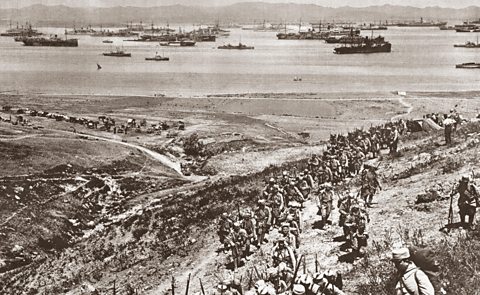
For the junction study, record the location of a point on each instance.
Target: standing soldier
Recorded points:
(369, 184)
(324, 174)
(394, 139)
(324, 202)
(375, 147)
(344, 205)
(249, 224)
(290, 239)
(283, 253)
(224, 227)
(468, 200)
(448, 124)
(263, 217)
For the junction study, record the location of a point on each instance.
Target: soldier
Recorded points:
(356, 229)
(290, 239)
(294, 228)
(263, 216)
(375, 147)
(309, 178)
(344, 163)
(336, 169)
(273, 277)
(369, 184)
(249, 224)
(394, 139)
(344, 205)
(327, 283)
(411, 279)
(468, 200)
(294, 194)
(324, 202)
(324, 173)
(449, 124)
(283, 253)
(270, 187)
(313, 163)
(224, 227)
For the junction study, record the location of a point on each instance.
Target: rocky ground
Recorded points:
(107, 212)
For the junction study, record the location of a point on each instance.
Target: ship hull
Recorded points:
(50, 43)
(387, 47)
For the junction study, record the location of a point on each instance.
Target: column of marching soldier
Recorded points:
(279, 207)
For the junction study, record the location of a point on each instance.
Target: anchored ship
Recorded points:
(370, 45)
(239, 46)
(53, 42)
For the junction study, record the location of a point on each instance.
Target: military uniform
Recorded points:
(325, 203)
(468, 200)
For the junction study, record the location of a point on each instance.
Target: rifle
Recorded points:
(450, 210)
(188, 284)
(316, 262)
(201, 286)
(296, 271)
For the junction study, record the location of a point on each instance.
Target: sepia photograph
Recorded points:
(239, 147)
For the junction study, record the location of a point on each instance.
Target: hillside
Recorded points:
(247, 12)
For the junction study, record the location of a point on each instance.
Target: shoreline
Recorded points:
(355, 95)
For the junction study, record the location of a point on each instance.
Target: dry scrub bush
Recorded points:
(458, 258)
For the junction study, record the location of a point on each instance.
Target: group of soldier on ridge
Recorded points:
(283, 197)
(279, 207)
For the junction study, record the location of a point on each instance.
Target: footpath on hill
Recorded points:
(424, 166)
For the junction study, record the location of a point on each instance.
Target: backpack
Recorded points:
(426, 260)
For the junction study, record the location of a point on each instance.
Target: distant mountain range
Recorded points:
(248, 12)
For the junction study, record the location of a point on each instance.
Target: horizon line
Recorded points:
(244, 2)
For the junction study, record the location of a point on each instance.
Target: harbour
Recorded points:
(421, 59)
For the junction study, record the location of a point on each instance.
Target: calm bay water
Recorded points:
(422, 59)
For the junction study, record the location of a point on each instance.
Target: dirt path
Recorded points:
(154, 155)
(401, 100)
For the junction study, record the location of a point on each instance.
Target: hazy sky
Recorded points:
(330, 3)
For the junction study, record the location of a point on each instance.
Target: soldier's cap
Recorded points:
(317, 277)
(226, 282)
(329, 274)
(305, 279)
(285, 224)
(351, 194)
(294, 204)
(242, 232)
(259, 283)
(400, 254)
(224, 214)
(298, 289)
(262, 202)
(271, 180)
(465, 178)
(237, 224)
(292, 182)
(285, 173)
(222, 287)
(281, 240)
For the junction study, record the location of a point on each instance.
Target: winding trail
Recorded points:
(156, 156)
(405, 104)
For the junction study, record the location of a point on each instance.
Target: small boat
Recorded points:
(239, 46)
(158, 57)
(107, 41)
(468, 65)
(468, 44)
(118, 53)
